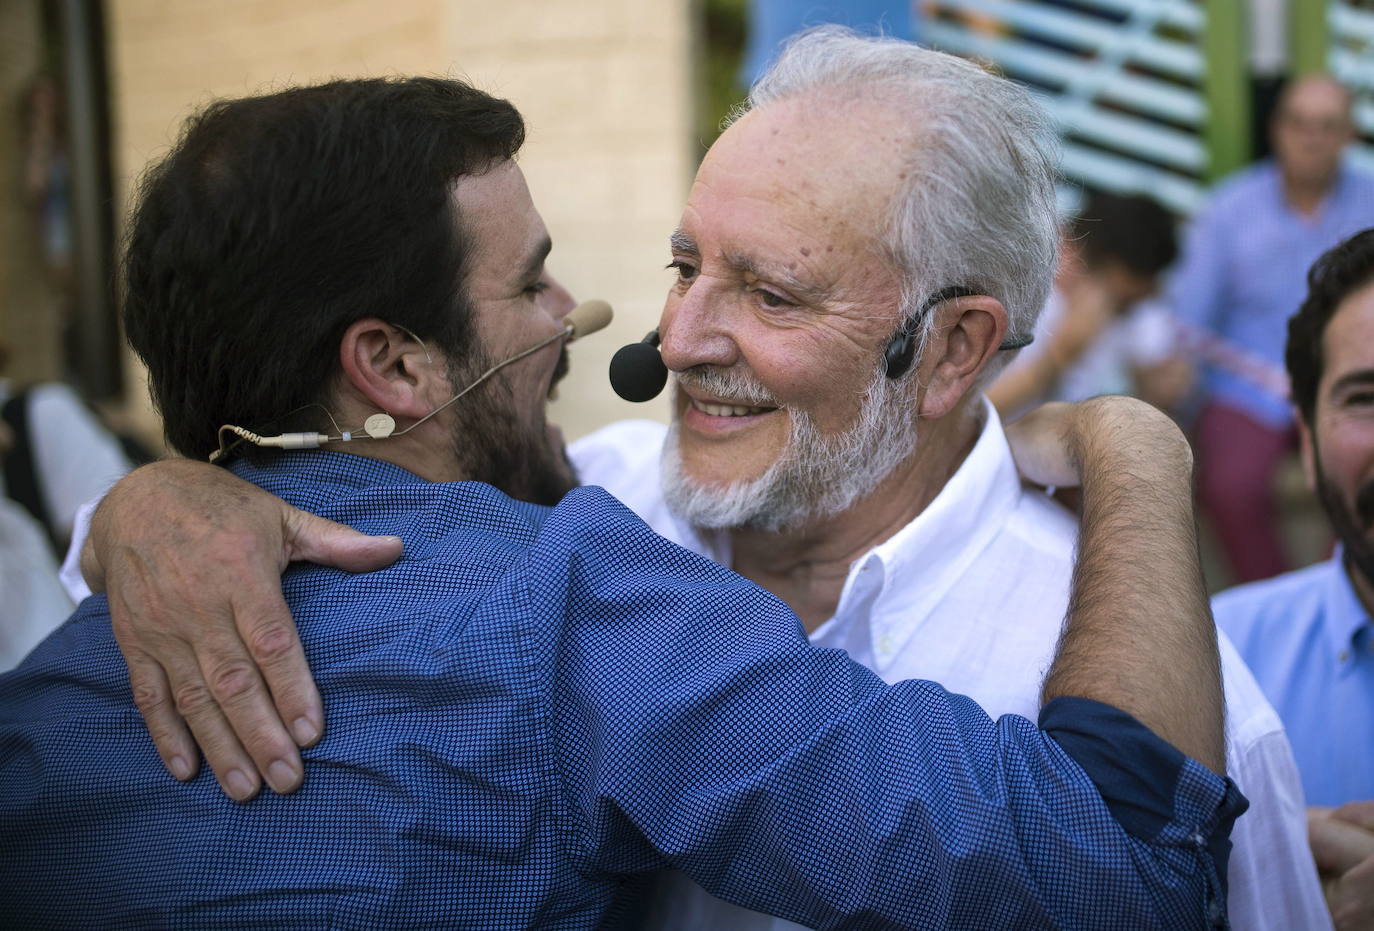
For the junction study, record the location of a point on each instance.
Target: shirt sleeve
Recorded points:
(694, 727)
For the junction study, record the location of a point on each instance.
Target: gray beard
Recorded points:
(815, 476)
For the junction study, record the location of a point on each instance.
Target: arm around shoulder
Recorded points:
(694, 727)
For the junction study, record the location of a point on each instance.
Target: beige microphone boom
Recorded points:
(587, 318)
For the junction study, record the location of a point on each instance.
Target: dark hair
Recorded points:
(1133, 230)
(1335, 276)
(277, 221)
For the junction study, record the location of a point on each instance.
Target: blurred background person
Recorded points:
(55, 455)
(1100, 332)
(1240, 277)
(60, 456)
(34, 600)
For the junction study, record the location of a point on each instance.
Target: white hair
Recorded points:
(978, 209)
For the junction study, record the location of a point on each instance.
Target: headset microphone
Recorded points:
(582, 320)
(637, 370)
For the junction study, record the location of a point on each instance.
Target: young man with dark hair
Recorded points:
(536, 704)
(1307, 635)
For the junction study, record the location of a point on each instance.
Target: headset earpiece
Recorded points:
(901, 349)
(900, 352)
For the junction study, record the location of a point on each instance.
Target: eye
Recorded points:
(686, 271)
(771, 300)
(535, 289)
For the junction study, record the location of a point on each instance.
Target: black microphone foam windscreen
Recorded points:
(638, 372)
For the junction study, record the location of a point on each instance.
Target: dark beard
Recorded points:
(492, 444)
(1351, 527)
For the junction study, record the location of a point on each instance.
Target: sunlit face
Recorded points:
(501, 436)
(1338, 446)
(784, 297)
(1311, 129)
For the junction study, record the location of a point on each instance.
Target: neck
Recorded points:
(807, 566)
(426, 452)
(1305, 195)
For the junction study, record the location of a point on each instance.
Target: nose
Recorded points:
(558, 300)
(692, 330)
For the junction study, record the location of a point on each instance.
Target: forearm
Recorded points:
(1139, 635)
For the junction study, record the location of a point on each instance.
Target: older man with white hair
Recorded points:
(858, 253)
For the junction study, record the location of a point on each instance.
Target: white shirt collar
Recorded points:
(921, 562)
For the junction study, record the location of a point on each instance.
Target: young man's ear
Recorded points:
(392, 370)
(967, 335)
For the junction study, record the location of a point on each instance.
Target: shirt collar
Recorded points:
(1345, 616)
(927, 557)
(312, 478)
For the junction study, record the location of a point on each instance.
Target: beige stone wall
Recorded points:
(604, 84)
(30, 305)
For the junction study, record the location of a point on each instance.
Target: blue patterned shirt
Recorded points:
(534, 706)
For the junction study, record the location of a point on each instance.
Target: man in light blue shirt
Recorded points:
(1242, 273)
(1307, 635)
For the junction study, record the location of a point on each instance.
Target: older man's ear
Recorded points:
(965, 338)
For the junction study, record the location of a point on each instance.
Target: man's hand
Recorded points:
(1040, 445)
(191, 558)
(1046, 443)
(1342, 842)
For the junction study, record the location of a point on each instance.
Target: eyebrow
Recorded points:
(1357, 378)
(534, 265)
(683, 244)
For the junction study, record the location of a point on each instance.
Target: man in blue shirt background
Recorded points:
(1307, 635)
(540, 701)
(1241, 274)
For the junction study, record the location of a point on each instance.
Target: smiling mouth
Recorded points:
(728, 410)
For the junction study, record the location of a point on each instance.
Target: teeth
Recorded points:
(727, 410)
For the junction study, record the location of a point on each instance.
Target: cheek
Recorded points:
(1347, 452)
(819, 373)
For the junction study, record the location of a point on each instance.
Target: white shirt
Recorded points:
(75, 458)
(32, 603)
(972, 594)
